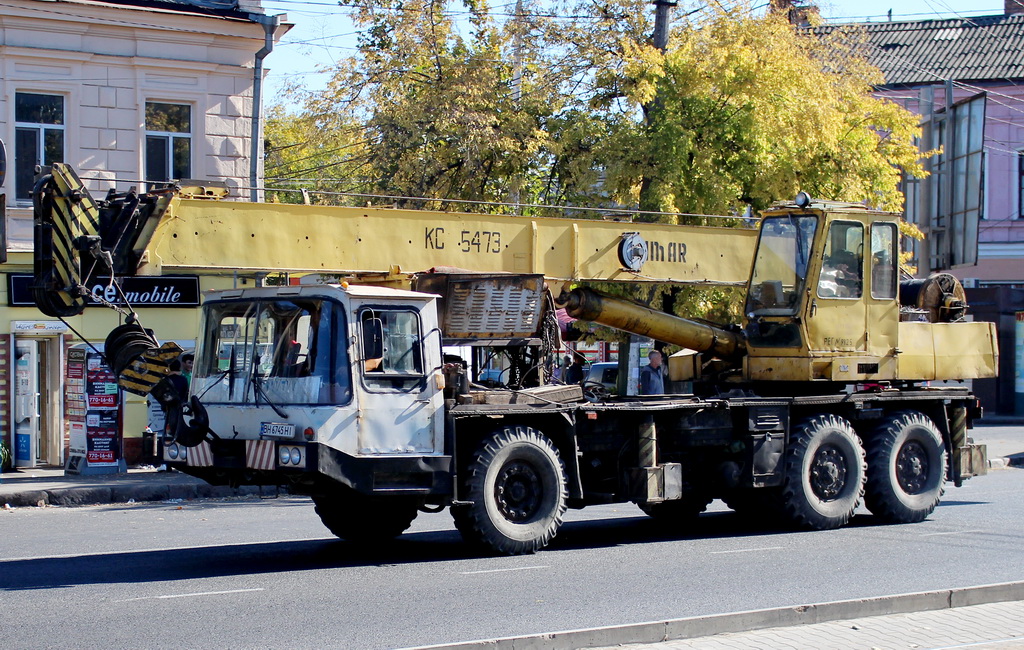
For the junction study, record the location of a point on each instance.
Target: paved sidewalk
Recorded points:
(48, 486)
(994, 625)
(987, 616)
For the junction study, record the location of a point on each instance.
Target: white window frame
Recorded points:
(171, 137)
(40, 128)
(1019, 185)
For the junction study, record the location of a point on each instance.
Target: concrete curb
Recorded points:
(698, 626)
(1009, 461)
(85, 496)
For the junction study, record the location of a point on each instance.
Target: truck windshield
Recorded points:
(780, 266)
(281, 351)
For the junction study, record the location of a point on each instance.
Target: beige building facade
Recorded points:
(129, 94)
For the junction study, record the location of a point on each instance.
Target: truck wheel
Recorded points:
(516, 482)
(677, 511)
(824, 473)
(906, 468)
(364, 519)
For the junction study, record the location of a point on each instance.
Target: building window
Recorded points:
(1020, 184)
(168, 141)
(38, 137)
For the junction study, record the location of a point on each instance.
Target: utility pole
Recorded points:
(660, 40)
(661, 8)
(517, 94)
(629, 351)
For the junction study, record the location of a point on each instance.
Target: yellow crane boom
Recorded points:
(305, 238)
(176, 229)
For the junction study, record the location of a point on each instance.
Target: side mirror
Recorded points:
(373, 338)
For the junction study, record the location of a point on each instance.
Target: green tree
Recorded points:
(570, 104)
(744, 110)
(319, 153)
(445, 110)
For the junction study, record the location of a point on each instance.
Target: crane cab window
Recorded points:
(780, 266)
(397, 360)
(273, 351)
(884, 258)
(842, 266)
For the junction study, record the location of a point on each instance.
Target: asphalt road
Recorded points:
(248, 574)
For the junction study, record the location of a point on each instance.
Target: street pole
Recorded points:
(517, 92)
(660, 40)
(661, 13)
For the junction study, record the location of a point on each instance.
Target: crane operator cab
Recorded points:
(824, 303)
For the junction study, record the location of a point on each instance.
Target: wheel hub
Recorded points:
(828, 473)
(518, 491)
(912, 468)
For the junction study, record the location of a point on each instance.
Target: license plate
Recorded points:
(277, 430)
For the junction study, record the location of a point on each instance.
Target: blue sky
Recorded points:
(322, 34)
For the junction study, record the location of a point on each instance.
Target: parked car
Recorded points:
(605, 373)
(492, 377)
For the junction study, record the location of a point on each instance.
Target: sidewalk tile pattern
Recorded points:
(994, 626)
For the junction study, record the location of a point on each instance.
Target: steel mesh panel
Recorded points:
(496, 307)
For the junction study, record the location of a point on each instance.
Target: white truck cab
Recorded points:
(334, 379)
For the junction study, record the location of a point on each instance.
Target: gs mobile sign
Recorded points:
(141, 291)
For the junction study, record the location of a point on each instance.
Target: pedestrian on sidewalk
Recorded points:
(177, 380)
(652, 378)
(186, 367)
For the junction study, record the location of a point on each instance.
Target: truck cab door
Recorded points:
(837, 311)
(400, 396)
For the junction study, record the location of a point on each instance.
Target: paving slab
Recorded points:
(992, 625)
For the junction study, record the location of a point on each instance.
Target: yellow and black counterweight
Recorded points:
(78, 239)
(64, 214)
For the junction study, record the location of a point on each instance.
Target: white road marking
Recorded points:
(749, 550)
(198, 593)
(521, 568)
(953, 532)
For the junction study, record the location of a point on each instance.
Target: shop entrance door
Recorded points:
(37, 439)
(27, 443)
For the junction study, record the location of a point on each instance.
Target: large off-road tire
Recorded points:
(906, 468)
(364, 519)
(678, 512)
(824, 473)
(516, 483)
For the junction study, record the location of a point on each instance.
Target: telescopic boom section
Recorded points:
(301, 239)
(589, 305)
(181, 229)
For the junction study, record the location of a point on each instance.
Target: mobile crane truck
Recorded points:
(819, 398)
